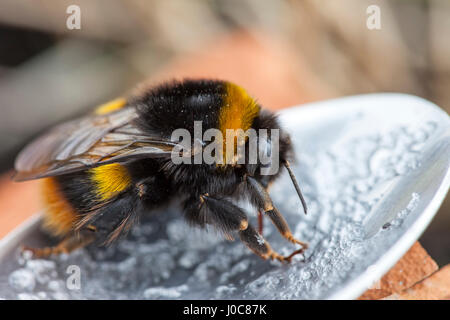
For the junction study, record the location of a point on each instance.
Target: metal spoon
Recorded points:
(374, 171)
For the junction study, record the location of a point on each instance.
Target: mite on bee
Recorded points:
(103, 171)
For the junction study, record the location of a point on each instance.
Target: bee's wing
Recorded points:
(88, 142)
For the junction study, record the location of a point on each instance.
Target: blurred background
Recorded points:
(284, 52)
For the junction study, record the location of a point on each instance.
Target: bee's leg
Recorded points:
(221, 213)
(261, 247)
(265, 203)
(260, 222)
(67, 245)
(282, 226)
(227, 217)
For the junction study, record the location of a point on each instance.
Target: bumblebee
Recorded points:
(101, 172)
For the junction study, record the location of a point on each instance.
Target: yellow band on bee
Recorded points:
(237, 112)
(110, 179)
(110, 106)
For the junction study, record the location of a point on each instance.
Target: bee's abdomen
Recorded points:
(60, 216)
(70, 197)
(109, 180)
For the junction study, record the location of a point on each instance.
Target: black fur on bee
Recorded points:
(105, 170)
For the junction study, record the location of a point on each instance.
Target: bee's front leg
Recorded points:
(261, 246)
(260, 222)
(264, 202)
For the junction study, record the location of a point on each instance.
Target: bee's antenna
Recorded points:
(297, 188)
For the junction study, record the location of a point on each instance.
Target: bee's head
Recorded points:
(278, 147)
(273, 140)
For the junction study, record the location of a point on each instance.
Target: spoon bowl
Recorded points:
(374, 170)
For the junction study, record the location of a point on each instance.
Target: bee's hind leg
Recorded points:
(68, 244)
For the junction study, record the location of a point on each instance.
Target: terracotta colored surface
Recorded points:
(265, 67)
(269, 71)
(415, 265)
(437, 286)
(18, 201)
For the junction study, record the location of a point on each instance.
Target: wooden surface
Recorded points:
(268, 70)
